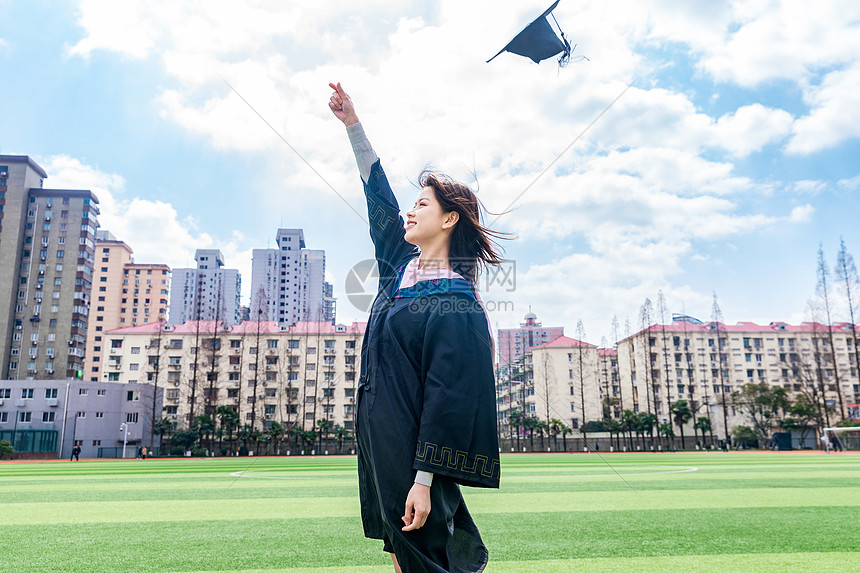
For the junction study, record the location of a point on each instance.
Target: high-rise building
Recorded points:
(208, 292)
(288, 282)
(514, 343)
(46, 253)
(125, 293)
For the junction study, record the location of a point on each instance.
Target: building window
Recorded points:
(131, 418)
(100, 415)
(82, 391)
(26, 393)
(132, 396)
(50, 393)
(47, 416)
(25, 417)
(82, 414)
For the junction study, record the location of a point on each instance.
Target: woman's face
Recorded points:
(426, 220)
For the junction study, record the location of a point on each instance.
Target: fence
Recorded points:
(32, 441)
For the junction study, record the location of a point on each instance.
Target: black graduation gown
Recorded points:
(426, 402)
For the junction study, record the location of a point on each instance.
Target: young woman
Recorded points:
(425, 421)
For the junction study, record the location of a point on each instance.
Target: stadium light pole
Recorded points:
(124, 428)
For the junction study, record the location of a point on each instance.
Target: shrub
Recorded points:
(6, 450)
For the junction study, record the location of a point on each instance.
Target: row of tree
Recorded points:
(224, 435)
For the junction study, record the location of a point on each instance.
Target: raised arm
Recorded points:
(386, 224)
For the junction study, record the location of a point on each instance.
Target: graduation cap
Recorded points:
(539, 41)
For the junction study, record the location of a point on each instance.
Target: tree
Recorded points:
(803, 414)
(516, 419)
(646, 423)
(555, 426)
(6, 450)
(325, 427)
(205, 427)
(716, 324)
(681, 414)
(530, 424)
(703, 424)
(846, 274)
(645, 320)
(185, 438)
(745, 436)
(155, 362)
(764, 404)
(228, 421)
(580, 335)
(628, 419)
(542, 428)
(341, 434)
(664, 343)
(822, 290)
(275, 434)
(665, 429)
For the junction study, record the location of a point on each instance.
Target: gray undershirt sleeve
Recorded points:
(365, 156)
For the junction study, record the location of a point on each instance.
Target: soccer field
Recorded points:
(710, 512)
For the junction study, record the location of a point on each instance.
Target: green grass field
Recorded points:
(710, 512)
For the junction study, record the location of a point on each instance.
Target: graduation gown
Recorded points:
(426, 401)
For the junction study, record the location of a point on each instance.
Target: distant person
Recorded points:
(143, 452)
(825, 442)
(139, 453)
(76, 453)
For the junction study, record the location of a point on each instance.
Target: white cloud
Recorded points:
(3, 43)
(153, 229)
(835, 113)
(850, 184)
(639, 193)
(752, 127)
(808, 187)
(784, 40)
(802, 214)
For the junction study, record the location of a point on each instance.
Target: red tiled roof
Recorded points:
(246, 327)
(563, 342)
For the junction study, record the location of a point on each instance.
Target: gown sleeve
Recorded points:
(457, 432)
(383, 212)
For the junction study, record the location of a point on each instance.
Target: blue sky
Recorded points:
(731, 157)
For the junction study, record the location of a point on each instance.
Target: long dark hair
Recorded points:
(473, 245)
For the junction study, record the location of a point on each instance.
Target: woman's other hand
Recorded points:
(341, 105)
(417, 506)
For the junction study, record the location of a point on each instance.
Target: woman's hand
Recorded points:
(341, 105)
(417, 506)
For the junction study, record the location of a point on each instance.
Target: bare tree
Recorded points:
(155, 364)
(716, 323)
(255, 350)
(661, 309)
(822, 289)
(580, 335)
(195, 351)
(615, 339)
(213, 345)
(645, 319)
(846, 274)
(817, 367)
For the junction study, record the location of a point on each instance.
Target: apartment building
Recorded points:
(46, 253)
(263, 371)
(42, 417)
(288, 282)
(124, 293)
(513, 343)
(207, 292)
(702, 363)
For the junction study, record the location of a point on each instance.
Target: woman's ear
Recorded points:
(450, 220)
